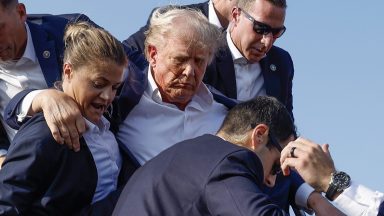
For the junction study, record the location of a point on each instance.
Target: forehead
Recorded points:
(106, 69)
(186, 46)
(265, 11)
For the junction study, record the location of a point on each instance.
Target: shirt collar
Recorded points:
(202, 99)
(29, 52)
(101, 127)
(237, 57)
(152, 88)
(212, 16)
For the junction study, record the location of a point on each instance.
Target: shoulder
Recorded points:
(277, 52)
(33, 136)
(203, 7)
(55, 24)
(62, 18)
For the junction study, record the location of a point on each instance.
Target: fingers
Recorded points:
(325, 148)
(64, 119)
(77, 132)
(55, 132)
(288, 162)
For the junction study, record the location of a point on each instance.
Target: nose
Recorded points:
(189, 70)
(267, 40)
(270, 180)
(108, 94)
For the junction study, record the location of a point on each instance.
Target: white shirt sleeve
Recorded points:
(301, 197)
(25, 105)
(359, 200)
(3, 152)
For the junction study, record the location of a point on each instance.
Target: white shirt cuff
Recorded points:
(25, 105)
(359, 200)
(3, 152)
(301, 197)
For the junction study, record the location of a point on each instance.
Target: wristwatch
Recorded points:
(339, 182)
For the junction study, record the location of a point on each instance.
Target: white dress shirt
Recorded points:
(249, 79)
(359, 200)
(153, 125)
(105, 152)
(16, 76)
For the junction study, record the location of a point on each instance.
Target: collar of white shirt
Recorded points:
(201, 100)
(237, 57)
(29, 53)
(101, 127)
(212, 16)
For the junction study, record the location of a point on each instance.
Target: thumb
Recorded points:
(325, 148)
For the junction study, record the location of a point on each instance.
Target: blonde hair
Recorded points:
(86, 44)
(189, 25)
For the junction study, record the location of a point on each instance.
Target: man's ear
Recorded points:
(21, 11)
(152, 53)
(67, 72)
(235, 14)
(259, 137)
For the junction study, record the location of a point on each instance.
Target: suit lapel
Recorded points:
(271, 78)
(46, 54)
(226, 71)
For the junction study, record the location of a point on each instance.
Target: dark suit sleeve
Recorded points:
(26, 171)
(381, 210)
(234, 189)
(10, 112)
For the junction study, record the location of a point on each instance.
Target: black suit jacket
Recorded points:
(277, 69)
(42, 177)
(202, 176)
(136, 40)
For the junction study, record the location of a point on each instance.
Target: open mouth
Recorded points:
(99, 107)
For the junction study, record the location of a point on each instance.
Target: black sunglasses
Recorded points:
(276, 168)
(264, 29)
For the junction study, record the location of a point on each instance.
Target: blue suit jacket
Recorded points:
(278, 83)
(202, 176)
(42, 177)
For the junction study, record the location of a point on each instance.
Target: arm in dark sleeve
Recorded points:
(234, 188)
(10, 112)
(26, 171)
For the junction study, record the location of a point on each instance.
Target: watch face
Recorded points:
(341, 180)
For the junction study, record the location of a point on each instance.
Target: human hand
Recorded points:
(312, 161)
(63, 116)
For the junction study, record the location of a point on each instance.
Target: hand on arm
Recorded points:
(63, 116)
(312, 161)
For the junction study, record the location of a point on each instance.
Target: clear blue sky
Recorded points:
(337, 50)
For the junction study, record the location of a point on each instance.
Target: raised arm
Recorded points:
(314, 163)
